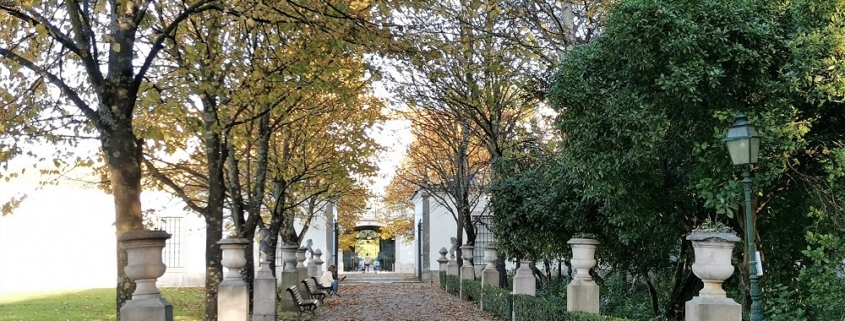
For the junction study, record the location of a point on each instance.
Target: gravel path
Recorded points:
(391, 296)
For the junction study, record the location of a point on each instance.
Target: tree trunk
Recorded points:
(213, 264)
(248, 272)
(215, 157)
(652, 292)
(123, 153)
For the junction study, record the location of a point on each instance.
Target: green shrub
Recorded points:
(528, 307)
(443, 280)
(498, 302)
(472, 290)
(452, 284)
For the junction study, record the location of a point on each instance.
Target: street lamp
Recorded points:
(743, 144)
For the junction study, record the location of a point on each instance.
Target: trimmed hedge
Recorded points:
(452, 284)
(527, 307)
(498, 302)
(472, 290)
(443, 280)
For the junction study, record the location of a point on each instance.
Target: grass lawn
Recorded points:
(93, 304)
(98, 305)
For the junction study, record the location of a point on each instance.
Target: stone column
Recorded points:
(452, 267)
(289, 277)
(443, 260)
(232, 295)
(489, 276)
(523, 281)
(301, 268)
(467, 270)
(582, 293)
(302, 271)
(264, 294)
(318, 263)
(712, 265)
(144, 266)
(312, 265)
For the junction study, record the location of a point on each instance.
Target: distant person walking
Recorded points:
(367, 261)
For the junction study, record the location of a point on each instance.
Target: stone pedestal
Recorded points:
(318, 263)
(264, 295)
(232, 295)
(302, 270)
(489, 276)
(443, 260)
(712, 309)
(713, 266)
(582, 294)
(467, 270)
(289, 277)
(312, 266)
(144, 266)
(523, 280)
(452, 267)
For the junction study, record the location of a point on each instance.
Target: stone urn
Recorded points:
(583, 258)
(318, 261)
(289, 257)
(300, 257)
(233, 255)
(443, 260)
(144, 264)
(713, 252)
(467, 254)
(491, 254)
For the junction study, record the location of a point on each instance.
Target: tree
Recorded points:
(447, 162)
(643, 116)
(45, 48)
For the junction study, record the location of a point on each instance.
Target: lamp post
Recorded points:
(743, 144)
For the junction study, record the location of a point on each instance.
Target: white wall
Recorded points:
(443, 227)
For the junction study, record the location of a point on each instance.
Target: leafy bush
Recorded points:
(497, 301)
(527, 307)
(453, 284)
(442, 280)
(472, 290)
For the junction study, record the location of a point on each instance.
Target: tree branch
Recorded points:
(158, 44)
(176, 189)
(55, 80)
(36, 19)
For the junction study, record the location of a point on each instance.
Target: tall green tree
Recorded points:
(643, 111)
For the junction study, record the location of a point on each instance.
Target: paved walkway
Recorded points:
(394, 296)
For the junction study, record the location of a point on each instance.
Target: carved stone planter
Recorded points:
(233, 295)
(467, 270)
(145, 266)
(289, 258)
(712, 265)
(489, 276)
(233, 255)
(582, 294)
(583, 257)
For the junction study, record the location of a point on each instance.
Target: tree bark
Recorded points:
(652, 292)
(123, 152)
